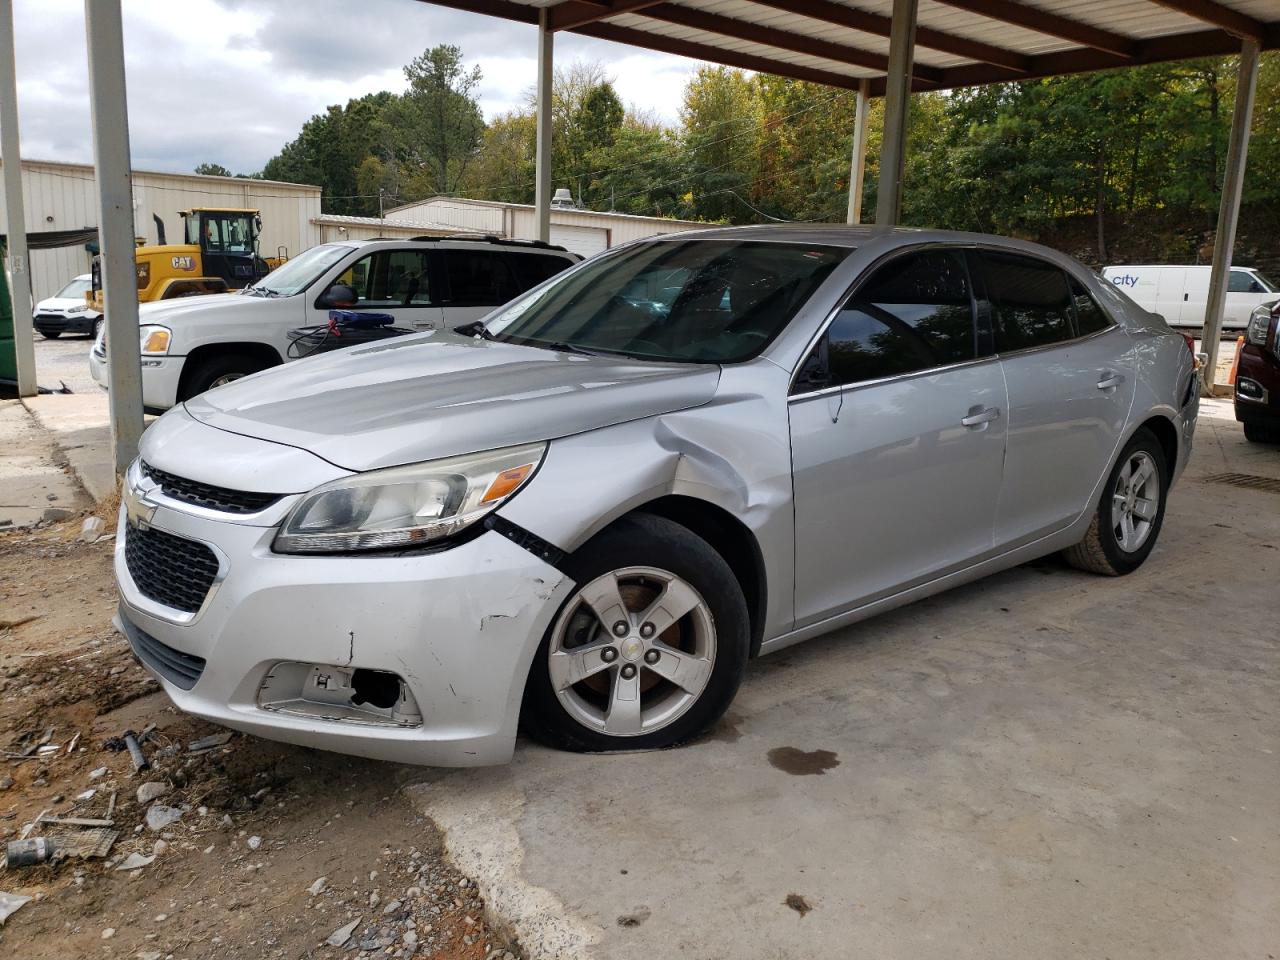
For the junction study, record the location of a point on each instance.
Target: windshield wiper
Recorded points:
(475, 329)
(563, 346)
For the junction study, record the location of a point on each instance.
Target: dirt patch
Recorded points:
(273, 850)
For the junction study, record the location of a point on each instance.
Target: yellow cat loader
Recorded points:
(220, 255)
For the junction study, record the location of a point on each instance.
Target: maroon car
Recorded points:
(1258, 376)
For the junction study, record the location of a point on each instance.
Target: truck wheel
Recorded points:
(51, 334)
(218, 370)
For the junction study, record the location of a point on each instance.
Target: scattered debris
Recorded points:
(160, 816)
(71, 747)
(152, 790)
(10, 903)
(211, 742)
(135, 861)
(91, 529)
(139, 758)
(98, 773)
(318, 887)
(340, 936)
(254, 843)
(86, 796)
(798, 903)
(27, 853)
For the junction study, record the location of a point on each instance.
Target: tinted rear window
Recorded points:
(532, 268)
(1032, 301)
(478, 278)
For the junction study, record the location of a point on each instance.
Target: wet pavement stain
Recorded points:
(802, 763)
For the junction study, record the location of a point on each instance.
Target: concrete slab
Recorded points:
(1042, 764)
(80, 426)
(33, 486)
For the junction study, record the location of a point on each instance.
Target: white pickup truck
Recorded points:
(193, 344)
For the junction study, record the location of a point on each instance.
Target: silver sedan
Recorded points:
(590, 511)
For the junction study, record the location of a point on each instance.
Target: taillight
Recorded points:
(1190, 341)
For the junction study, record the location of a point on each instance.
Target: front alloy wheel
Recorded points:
(632, 652)
(648, 650)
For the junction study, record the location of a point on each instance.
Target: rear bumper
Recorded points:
(1257, 390)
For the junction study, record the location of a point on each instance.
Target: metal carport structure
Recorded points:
(884, 48)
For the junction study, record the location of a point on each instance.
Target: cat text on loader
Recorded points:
(220, 255)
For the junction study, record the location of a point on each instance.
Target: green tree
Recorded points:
(437, 123)
(720, 124)
(212, 170)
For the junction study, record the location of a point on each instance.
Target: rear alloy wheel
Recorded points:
(1128, 519)
(650, 648)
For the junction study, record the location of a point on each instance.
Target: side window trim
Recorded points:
(1112, 323)
(820, 338)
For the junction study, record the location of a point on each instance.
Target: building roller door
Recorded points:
(584, 241)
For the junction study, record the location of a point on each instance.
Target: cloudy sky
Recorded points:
(231, 81)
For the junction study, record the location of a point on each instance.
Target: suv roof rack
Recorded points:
(494, 238)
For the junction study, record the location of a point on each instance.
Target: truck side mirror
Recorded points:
(340, 296)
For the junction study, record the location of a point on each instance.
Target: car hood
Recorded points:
(60, 303)
(165, 311)
(424, 397)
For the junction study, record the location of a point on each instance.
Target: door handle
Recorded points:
(978, 416)
(1109, 380)
(1186, 297)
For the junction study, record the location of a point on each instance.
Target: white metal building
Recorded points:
(334, 226)
(583, 231)
(64, 197)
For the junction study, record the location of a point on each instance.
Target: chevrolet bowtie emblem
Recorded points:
(138, 511)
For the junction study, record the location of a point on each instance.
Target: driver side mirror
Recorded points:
(339, 296)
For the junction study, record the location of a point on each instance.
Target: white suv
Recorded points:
(193, 344)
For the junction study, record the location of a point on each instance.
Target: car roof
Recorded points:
(477, 242)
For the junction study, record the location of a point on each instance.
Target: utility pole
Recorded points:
(14, 214)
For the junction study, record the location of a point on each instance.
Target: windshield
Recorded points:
(294, 276)
(75, 290)
(1268, 285)
(709, 301)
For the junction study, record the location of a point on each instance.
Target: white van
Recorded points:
(1181, 294)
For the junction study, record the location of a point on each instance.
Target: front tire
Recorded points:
(650, 648)
(218, 370)
(1130, 513)
(51, 334)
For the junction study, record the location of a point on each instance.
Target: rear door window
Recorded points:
(1033, 303)
(1090, 317)
(478, 278)
(912, 314)
(532, 268)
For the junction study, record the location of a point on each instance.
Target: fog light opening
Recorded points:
(376, 688)
(350, 694)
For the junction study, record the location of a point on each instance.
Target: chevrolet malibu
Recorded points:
(585, 514)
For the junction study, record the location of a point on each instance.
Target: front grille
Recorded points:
(208, 496)
(180, 669)
(174, 571)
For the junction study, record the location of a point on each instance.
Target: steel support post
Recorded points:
(1229, 209)
(15, 218)
(110, 121)
(546, 80)
(897, 99)
(858, 160)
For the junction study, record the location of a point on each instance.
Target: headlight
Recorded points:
(79, 309)
(155, 340)
(1259, 323)
(406, 506)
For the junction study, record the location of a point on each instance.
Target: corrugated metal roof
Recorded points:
(958, 42)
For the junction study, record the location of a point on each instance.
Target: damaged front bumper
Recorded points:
(308, 650)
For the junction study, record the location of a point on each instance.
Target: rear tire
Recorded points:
(674, 609)
(1256, 432)
(1130, 513)
(217, 370)
(51, 334)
